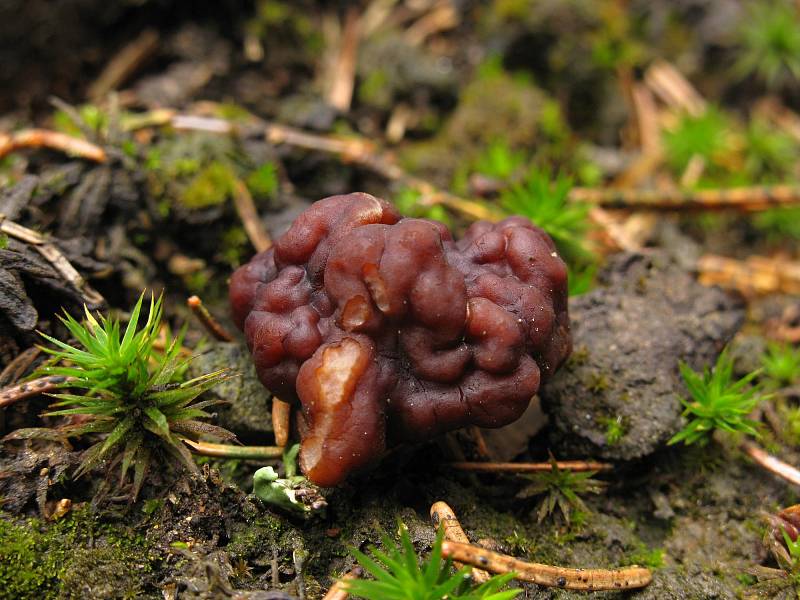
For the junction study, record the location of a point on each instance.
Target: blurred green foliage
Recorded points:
(769, 42)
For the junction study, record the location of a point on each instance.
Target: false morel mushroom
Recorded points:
(385, 329)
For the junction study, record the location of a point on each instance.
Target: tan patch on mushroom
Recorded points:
(341, 366)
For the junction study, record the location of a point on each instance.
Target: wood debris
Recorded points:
(231, 451)
(125, 63)
(530, 467)
(54, 140)
(756, 275)
(338, 590)
(586, 580)
(208, 320)
(443, 516)
(744, 199)
(54, 256)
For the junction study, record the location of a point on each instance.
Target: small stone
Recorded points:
(628, 338)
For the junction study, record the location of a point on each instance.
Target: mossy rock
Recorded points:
(73, 558)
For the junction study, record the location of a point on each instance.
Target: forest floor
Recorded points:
(144, 146)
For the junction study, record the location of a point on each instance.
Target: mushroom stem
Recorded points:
(531, 467)
(281, 412)
(442, 515)
(208, 321)
(562, 577)
(338, 590)
(18, 392)
(230, 451)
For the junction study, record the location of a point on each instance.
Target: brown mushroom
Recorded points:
(385, 329)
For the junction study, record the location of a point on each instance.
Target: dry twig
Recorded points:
(208, 321)
(231, 451)
(14, 370)
(771, 463)
(366, 154)
(480, 443)
(246, 209)
(442, 515)
(754, 275)
(673, 88)
(442, 17)
(523, 467)
(745, 199)
(125, 63)
(18, 392)
(338, 590)
(340, 93)
(561, 577)
(54, 256)
(44, 138)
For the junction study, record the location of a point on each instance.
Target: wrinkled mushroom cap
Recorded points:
(385, 329)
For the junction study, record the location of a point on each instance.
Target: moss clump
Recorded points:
(495, 106)
(263, 181)
(210, 187)
(616, 428)
(41, 560)
(258, 538)
(597, 382)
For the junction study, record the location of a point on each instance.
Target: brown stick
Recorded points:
(442, 515)
(54, 256)
(771, 463)
(338, 590)
(18, 392)
(230, 451)
(755, 275)
(281, 415)
(522, 467)
(208, 321)
(44, 138)
(340, 93)
(669, 84)
(125, 63)
(480, 443)
(746, 199)
(19, 365)
(246, 209)
(365, 153)
(561, 577)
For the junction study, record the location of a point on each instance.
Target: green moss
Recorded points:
(407, 201)
(645, 557)
(77, 557)
(375, 90)
(210, 187)
(597, 382)
(579, 356)
(263, 181)
(235, 246)
(262, 536)
(616, 428)
(90, 115)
